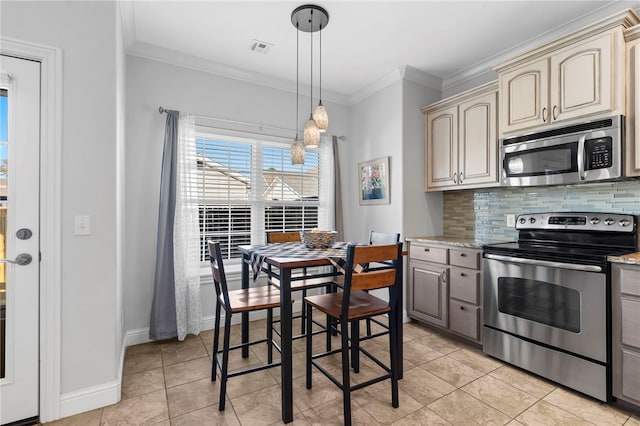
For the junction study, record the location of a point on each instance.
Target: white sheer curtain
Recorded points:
(326, 210)
(186, 236)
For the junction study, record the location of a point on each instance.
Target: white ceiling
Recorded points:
(364, 41)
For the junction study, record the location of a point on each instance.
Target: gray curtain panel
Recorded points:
(338, 191)
(163, 306)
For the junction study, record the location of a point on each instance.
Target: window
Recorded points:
(248, 187)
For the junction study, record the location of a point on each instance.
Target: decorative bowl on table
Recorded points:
(315, 238)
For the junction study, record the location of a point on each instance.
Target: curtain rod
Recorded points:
(162, 110)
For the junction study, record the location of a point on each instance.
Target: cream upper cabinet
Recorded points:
(582, 78)
(632, 142)
(524, 96)
(461, 140)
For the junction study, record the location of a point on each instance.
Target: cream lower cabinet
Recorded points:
(461, 139)
(626, 332)
(445, 288)
(584, 77)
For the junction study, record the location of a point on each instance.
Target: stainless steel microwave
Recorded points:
(585, 152)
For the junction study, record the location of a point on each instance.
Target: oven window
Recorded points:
(541, 302)
(551, 160)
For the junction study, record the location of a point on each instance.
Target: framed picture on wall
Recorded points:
(373, 179)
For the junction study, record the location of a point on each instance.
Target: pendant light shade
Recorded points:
(321, 118)
(297, 152)
(311, 133)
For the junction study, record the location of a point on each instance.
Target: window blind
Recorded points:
(247, 187)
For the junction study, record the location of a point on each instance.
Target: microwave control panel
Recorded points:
(599, 153)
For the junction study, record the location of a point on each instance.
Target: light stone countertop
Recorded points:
(631, 259)
(449, 241)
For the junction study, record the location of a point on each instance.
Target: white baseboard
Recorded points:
(90, 398)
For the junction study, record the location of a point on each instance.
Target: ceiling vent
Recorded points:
(260, 46)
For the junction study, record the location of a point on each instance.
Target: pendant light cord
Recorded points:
(297, 73)
(311, 83)
(320, 94)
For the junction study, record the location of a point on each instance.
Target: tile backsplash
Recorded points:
(481, 213)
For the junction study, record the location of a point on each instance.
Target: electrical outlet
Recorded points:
(511, 220)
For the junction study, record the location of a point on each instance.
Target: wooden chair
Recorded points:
(236, 301)
(298, 283)
(377, 238)
(352, 305)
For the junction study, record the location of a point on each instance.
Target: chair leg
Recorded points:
(216, 338)
(270, 336)
(346, 383)
(303, 315)
(309, 342)
(225, 361)
(330, 324)
(394, 361)
(355, 346)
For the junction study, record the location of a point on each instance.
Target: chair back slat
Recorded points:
(375, 253)
(373, 280)
(283, 237)
(217, 270)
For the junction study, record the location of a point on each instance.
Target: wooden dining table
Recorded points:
(287, 257)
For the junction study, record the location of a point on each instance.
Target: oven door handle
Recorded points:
(536, 262)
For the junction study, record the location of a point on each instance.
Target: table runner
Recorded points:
(335, 254)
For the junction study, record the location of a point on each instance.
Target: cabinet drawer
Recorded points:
(630, 322)
(630, 281)
(631, 375)
(429, 254)
(464, 319)
(464, 284)
(467, 258)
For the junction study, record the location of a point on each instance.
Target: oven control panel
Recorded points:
(608, 222)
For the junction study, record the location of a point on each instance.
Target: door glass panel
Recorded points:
(3, 222)
(540, 301)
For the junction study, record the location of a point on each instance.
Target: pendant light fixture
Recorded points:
(310, 18)
(297, 147)
(320, 113)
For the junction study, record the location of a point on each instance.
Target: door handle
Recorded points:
(455, 178)
(22, 259)
(555, 117)
(461, 176)
(544, 114)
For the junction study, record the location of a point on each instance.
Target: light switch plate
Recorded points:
(82, 225)
(511, 220)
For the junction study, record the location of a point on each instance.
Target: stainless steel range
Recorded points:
(547, 296)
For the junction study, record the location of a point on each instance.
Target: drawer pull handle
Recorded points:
(462, 274)
(426, 249)
(462, 308)
(463, 254)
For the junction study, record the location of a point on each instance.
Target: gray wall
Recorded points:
(91, 346)
(151, 84)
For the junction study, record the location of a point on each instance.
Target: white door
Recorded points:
(19, 237)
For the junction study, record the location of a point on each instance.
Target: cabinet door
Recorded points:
(478, 140)
(441, 162)
(428, 296)
(464, 318)
(633, 109)
(582, 79)
(524, 97)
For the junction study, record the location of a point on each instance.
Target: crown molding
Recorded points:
(601, 17)
(404, 72)
(127, 16)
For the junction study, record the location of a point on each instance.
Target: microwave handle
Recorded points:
(581, 171)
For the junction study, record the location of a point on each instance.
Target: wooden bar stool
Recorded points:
(354, 304)
(237, 301)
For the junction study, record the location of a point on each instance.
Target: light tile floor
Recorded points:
(446, 381)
